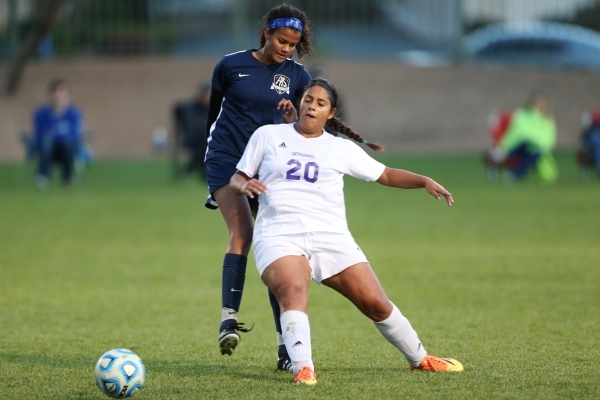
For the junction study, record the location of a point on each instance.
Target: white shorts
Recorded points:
(328, 253)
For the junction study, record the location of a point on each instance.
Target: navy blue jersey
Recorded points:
(251, 91)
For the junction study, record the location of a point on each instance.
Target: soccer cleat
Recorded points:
(211, 203)
(306, 376)
(437, 364)
(284, 364)
(230, 338)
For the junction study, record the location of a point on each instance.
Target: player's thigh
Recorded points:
(360, 285)
(236, 213)
(288, 278)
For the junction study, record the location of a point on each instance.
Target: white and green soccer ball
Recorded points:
(120, 373)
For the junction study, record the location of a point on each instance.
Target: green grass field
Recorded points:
(507, 281)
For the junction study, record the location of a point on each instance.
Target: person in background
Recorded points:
(530, 137)
(190, 128)
(57, 134)
(590, 139)
(301, 231)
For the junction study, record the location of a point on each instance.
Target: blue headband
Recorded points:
(291, 22)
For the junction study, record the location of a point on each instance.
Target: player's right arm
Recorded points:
(219, 86)
(214, 107)
(242, 184)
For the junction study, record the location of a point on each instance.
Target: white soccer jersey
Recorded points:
(304, 179)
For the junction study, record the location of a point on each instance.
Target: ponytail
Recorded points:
(336, 124)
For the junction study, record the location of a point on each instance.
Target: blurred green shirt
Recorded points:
(532, 127)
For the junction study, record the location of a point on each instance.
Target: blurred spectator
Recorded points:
(57, 136)
(530, 137)
(590, 139)
(190, 129)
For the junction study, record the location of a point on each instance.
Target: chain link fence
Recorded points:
(359, 29)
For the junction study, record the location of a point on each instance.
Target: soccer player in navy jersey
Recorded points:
(301, 230)
(250, 89)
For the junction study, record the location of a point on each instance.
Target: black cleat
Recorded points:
(284, 364)
(230, 338)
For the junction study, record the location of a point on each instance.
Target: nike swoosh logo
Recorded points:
(233, 290)
(242, 75)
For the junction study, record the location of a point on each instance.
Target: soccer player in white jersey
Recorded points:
(301, 231)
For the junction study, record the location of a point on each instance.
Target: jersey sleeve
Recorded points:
(253, 154)
(219, 78)
(359, 164)
(303, 81)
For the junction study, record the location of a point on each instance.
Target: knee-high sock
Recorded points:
(296, 335)
(398, 331)
(281, 351)
(234, 276)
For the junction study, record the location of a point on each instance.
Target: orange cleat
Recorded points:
(437, 364)
(306, 376)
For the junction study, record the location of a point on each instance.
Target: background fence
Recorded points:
(343, 28)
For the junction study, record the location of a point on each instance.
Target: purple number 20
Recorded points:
(311, 168)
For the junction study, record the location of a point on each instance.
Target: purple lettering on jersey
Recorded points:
(311, 171)
(315, 174)
(290, 173)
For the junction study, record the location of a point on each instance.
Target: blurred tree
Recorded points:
(44, 13)
(588, 17)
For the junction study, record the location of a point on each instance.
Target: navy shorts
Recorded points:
(218, 174)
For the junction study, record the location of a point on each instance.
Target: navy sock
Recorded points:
(234, 275)
(281, 351)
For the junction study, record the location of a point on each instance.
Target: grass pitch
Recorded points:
(507, 281)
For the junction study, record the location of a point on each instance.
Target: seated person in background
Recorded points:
(590, 140)
(56, 137)
(531, 137)
(190, 128)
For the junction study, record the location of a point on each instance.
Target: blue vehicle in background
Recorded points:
(539, 44)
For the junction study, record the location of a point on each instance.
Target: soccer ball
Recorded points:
(120, 373)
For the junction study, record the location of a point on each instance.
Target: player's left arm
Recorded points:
(78, 124)
(403, 179)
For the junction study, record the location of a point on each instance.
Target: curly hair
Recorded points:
(304, 46)
(335, 123)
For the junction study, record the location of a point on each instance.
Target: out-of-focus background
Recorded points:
(416, 75)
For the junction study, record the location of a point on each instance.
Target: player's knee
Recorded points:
(241, 239)
(378, 309)
(291, 295)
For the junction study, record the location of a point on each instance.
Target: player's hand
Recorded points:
(437, 191)
(288, 111)
(253, 187)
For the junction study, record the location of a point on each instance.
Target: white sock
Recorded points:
(296, 335)
(279, 339)
(228, 313)
(398, 331)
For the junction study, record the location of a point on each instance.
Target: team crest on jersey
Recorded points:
(281, 84)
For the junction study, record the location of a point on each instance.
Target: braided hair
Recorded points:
(335, 123)
(304, 46)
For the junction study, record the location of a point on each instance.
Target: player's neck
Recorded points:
(308, 133)
(262, 57)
